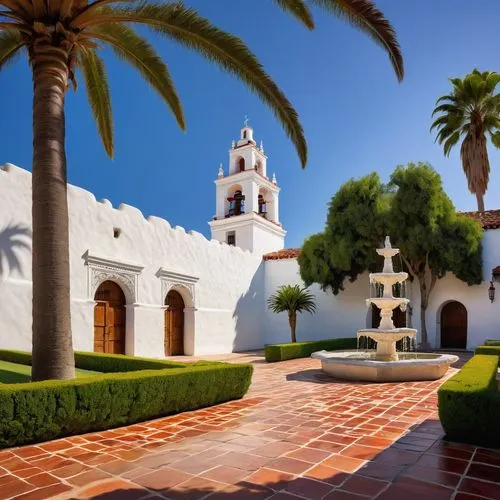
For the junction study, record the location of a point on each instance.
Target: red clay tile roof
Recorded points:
(489, 219)
(286, 253)
(496, 271)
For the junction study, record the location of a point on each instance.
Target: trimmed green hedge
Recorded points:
(492, 342)
(100, 362)
(282, 352)
(40, 411)
(488, 350)
(469, 403)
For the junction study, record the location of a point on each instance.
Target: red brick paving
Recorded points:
(298, 434)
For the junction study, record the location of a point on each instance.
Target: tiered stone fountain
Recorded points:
(386, 364)
(386, 335)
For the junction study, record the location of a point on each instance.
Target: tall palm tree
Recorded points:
(471, 112)
(60, 36)
(292, 299)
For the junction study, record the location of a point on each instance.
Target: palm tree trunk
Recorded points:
(292, 319)
(53, 356)
(480, 202)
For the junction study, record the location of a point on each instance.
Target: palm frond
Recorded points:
(450, 142)
(137, 51)
(495, 139)
(15, 27)
(292, 298)
(92, 9)
(186, 27)
(10, 44)
(365, 16)
(96, 81)
(298, 9)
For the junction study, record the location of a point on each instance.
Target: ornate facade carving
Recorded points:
(170, 279)
(125, 274)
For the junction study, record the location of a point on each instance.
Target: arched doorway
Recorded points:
(454, 326)
(109, 319)
(174, 324)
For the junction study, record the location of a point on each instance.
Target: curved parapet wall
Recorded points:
(120, 244)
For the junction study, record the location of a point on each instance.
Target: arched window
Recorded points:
(241, 164)
(244, 134)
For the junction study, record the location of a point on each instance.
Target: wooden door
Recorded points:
(109, 319)
(174, 324)
(454, 326)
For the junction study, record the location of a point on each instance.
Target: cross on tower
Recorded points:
(245, 122)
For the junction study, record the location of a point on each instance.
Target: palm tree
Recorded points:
(60, 36)
(471, 111)
(292, 299)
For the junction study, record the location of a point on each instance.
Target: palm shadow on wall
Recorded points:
(14, 239)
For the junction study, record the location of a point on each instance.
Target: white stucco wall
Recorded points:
(342, 315)
(225, 288)
(228, 294)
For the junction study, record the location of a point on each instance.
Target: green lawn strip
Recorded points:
(15, 373)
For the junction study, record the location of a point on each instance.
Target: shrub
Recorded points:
(40, 411)
(20, 357)
(100, 362)
(469, 403)
(488, 350)
(282, 352)
(492, 342)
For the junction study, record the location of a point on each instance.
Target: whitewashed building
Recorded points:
(142, 287)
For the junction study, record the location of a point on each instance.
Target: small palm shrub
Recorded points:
(292, 299)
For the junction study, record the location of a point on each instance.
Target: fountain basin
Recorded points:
(363, 366)
(386, 340)
(388, 279)
(389, 303)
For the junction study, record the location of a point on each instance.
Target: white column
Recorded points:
(275, 216)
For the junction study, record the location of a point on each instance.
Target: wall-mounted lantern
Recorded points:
(491, 291)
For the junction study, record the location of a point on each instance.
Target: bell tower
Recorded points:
(247, 201)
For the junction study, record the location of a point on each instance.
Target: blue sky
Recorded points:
(356, 116)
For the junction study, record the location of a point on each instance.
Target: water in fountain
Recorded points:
(386, 335)
(376, 357)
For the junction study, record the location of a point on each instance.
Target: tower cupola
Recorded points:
(247, 201)
(246, 134)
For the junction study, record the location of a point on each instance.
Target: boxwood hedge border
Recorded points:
(469, 402)
(283, 352)
(132, 390)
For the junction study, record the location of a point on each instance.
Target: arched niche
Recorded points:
(185, 287)
(453, 325)
(110, 318)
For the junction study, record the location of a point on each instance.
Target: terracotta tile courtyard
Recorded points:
(297, 434)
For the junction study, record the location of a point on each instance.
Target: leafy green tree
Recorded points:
(471, 112)
(354, 229)
(432, 237)
(420, 219)
(292, 299)
(59, 36)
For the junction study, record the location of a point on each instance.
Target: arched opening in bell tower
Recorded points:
(235, 201)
